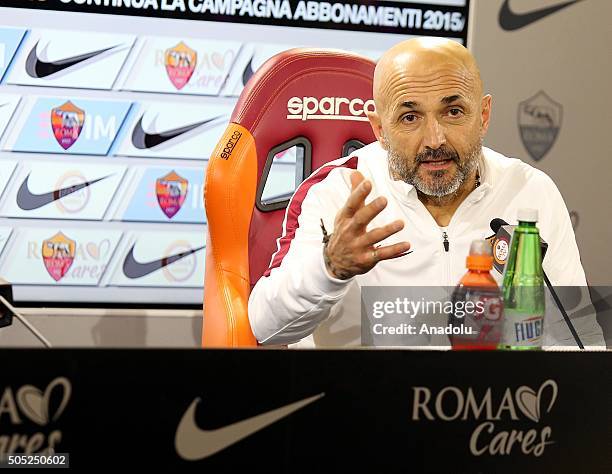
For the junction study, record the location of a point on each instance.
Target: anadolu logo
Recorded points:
(523, 404)
(329, 108)
(171, 191)
(67, 122)
(180, 62)
(58, 255)
(42, 408)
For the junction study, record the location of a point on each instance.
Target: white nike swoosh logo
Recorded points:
(193, 443)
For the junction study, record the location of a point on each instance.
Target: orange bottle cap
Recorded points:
(479, 262)
(480, 257)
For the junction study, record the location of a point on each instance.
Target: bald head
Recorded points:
(417, 62)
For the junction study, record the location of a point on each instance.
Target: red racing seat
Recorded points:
(308, 103)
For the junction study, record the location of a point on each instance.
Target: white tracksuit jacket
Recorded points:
(299, 302)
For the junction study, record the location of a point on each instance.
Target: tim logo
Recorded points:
(522, 410)
(171, 191)
(539, 121)
(58, 254)
(180, 62)
(329, 108)
(67, 122)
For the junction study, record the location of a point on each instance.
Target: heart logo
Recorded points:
(92, 250)
(98, 251)
(530, 402)
(35, 405)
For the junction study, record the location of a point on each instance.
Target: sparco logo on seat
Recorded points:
(329, 108)
(229, 146)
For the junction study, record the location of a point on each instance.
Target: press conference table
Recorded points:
(311, 410)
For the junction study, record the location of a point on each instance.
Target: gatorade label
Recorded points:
(483, 326)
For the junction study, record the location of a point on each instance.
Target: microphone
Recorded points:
(496, 224)
(501, 250)
(501, 243)
(6, 315)
(7, 311)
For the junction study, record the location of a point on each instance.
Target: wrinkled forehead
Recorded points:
(426, 84)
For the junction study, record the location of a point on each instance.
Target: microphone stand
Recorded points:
(566, 318)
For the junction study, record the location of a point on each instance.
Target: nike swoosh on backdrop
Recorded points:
(511, 21)
(29, 201)
(193, 443)
(144, 140)
(135, 269)
(38, 69)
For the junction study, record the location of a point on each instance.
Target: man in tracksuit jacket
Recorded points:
(404, 209)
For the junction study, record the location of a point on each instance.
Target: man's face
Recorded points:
(432, 128)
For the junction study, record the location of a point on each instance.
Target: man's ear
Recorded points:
(485, 117)
(375, 123)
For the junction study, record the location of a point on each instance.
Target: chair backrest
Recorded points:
(310, 101)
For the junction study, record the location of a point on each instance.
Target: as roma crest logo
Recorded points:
(180, 63)
(58, 255)
(171, 191)
(539, 120)
(67, 122)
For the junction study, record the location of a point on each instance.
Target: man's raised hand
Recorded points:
(351, 249)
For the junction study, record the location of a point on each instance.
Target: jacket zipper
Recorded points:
(467, 203)
(446, 256)
(445, 241)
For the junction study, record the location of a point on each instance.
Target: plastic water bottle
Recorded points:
(478, 308)
(523, 286)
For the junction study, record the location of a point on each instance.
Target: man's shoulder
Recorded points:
(361, 157)
(338, 171)
(506, 170)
